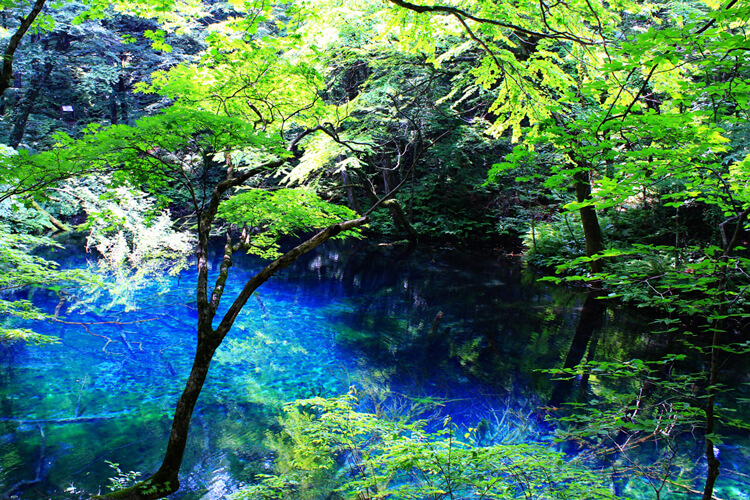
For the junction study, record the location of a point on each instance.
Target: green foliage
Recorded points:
(328, 448)
(122, 479)
(131, 236)
(645, 416)
(25, 335)
(20, 269)
(392, 106)
(645, 105)
(269, 215)
(15, 215)
(135, 244)
(239, 77)
(449, 202)
(20, 217)
(176, 147)
(550, 244)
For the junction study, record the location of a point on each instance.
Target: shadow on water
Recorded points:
(427, 332)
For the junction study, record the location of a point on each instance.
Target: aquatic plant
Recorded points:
(329, 449)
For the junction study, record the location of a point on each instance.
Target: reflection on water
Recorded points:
(430, 332)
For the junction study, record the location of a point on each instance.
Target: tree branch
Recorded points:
(713, 21)
(7, 68)
(221, 280)
(284, 261)
(460, 12)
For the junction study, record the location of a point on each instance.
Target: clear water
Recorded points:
(468, 330)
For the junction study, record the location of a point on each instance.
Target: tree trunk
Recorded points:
(183, 413)
(591, 230)
(386, 170)
(58, 224)
(24, 108)
(166, 480)
(350, 196)
(118, 107)
(718, 327)
(113, 118)
(713, 461)
(400, 218)
(122, 96)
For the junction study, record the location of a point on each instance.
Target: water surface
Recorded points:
(465, 329)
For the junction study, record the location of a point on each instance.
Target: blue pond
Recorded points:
(465, 330)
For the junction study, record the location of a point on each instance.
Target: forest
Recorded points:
(375, 249)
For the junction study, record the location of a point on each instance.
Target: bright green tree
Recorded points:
(222, 161)
(194, 150)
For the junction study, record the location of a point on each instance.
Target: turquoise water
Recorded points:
(460, 333)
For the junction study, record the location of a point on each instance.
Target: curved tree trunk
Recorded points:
(166, 480)
(170, 467)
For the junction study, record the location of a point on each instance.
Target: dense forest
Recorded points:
(200, 153)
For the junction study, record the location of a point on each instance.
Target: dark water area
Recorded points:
(461, 333)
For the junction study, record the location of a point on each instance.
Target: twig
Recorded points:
(80, 392)
(20, 485)
(69, 420)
